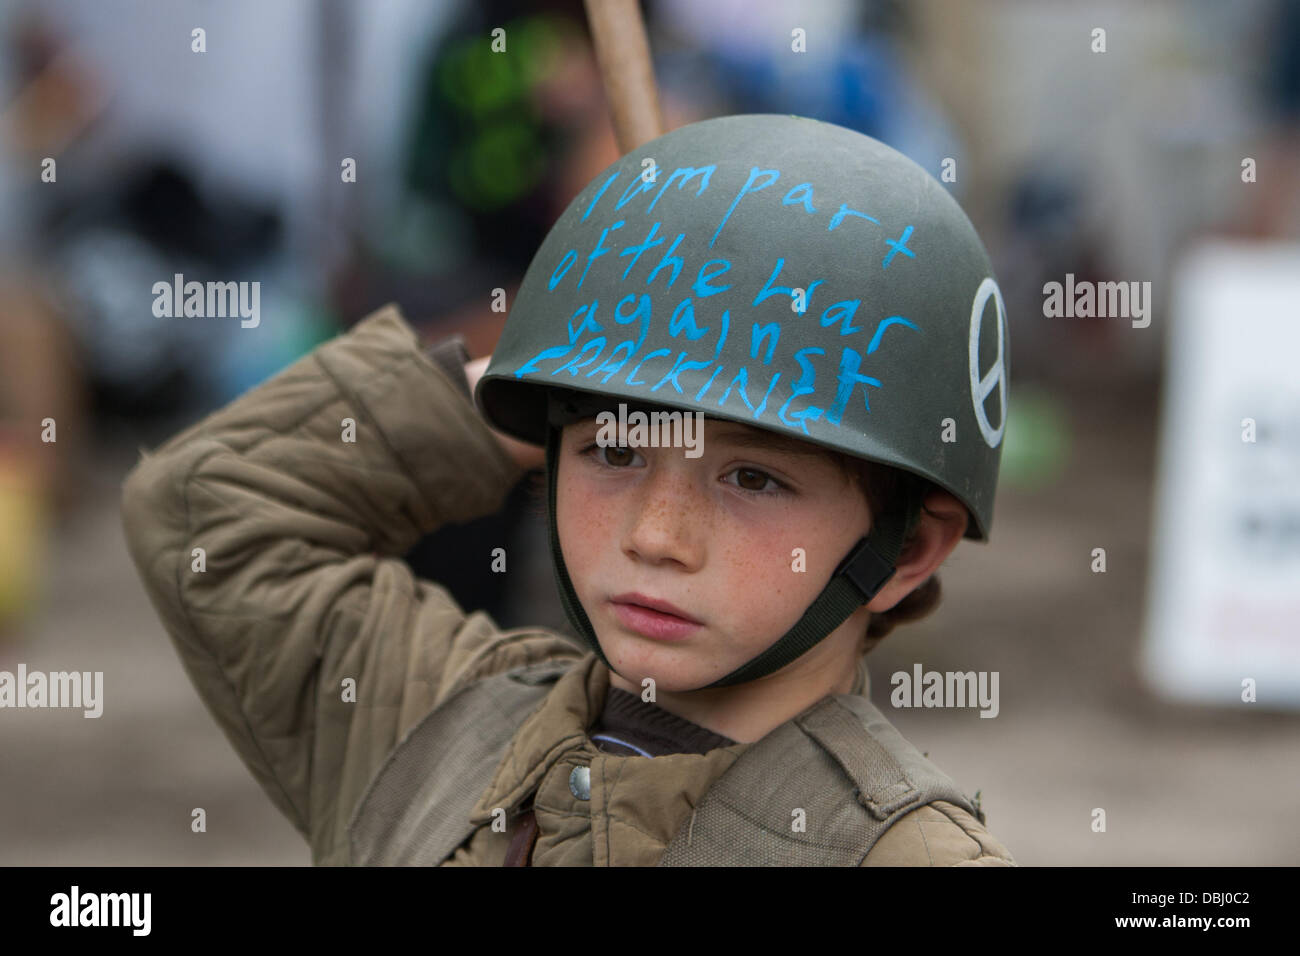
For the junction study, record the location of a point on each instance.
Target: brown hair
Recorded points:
(882, 487)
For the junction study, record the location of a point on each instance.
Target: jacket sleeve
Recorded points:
(269, 535)
(938, 834)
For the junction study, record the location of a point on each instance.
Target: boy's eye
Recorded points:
(619, 456)
(614, 456)
(751, 479)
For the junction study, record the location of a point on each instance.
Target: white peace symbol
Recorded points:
(980, 387)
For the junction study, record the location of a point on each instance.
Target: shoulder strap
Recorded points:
(415, 811)
(839, 767)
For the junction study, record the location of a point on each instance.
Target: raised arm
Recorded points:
(268, 537)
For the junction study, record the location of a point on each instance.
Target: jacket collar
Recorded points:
(558, 726)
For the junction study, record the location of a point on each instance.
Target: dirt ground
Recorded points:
(1077, 729)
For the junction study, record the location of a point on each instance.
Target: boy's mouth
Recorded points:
(651, 617)
(654, 604)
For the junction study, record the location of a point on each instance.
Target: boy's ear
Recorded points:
(941, 526)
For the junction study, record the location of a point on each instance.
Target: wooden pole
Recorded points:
(618, 34)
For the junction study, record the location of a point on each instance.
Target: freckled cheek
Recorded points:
(587, 523)
(753, 568)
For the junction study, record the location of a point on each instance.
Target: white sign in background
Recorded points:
(1223, 599)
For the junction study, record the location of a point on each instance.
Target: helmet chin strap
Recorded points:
(856, 580)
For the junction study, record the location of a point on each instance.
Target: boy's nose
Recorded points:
(670, 520)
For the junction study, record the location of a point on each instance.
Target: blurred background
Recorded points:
(1106, 165)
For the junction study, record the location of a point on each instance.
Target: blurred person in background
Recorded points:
(1276, 210)
(492, 148)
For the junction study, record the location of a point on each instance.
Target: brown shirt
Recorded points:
(632, 727)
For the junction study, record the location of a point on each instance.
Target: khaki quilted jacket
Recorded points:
(271, 548)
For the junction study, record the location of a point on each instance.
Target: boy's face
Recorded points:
(715, 536)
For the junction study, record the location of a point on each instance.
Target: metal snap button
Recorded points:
(580, 783)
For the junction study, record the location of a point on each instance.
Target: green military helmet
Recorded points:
(780, 272)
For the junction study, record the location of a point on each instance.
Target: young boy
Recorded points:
(822, 321)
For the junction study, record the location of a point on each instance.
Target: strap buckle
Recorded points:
(866, 569)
